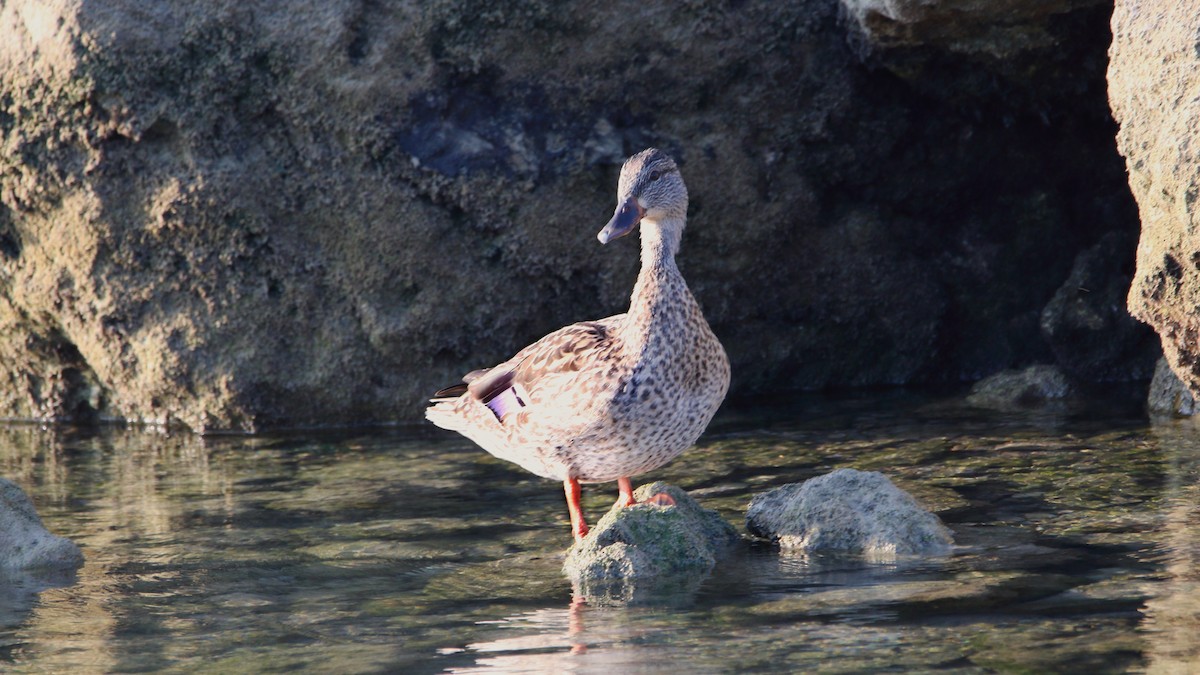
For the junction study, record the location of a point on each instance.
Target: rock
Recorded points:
(996, 28)
(1032, 386)
(1154, 90)
(848, 510)
(1167, 395)
(651, 541)
(24, 542)
(1032, 50)
(1086, 324)
(260, 215)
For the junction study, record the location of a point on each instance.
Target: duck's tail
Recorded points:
(444, 413)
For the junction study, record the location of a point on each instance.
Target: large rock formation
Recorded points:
(1154, 90)
(248, 214)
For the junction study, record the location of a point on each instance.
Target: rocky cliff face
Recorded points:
(1154, 88)
(252, 214)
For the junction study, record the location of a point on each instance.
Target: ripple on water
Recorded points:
(1076, 537)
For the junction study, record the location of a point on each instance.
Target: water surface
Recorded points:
(1078, 536)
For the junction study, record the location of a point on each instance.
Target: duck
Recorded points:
(610, 399)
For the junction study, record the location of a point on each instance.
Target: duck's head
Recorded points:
(650, 189)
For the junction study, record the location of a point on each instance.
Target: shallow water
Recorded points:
(1078, 537)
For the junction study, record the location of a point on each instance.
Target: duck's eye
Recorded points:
(655, 175)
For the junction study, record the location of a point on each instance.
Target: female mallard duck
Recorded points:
(609, 399)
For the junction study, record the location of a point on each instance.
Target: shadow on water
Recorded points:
(1077, 535)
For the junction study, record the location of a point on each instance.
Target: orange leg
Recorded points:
(578, 524)
(625, 490)
(662, 499)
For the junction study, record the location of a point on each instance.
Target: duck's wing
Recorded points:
(549, 372)
(579, 348)
(456, 390)
(542, 371)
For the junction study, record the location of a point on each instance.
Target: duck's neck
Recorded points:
(659, 286)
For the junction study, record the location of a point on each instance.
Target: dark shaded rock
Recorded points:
(847, 510)
(1093, 337)
(1011, 45)
(992, 28)
(647, 540)
(1168, 396)
(1154, 90)
(1030, 387)
(264, 215)
(24, 542)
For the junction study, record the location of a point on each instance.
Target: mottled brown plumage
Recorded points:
(604, 400)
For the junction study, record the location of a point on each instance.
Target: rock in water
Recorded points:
(1086, 325)
(848, 510)
(1030, 387)
(1168, 395)
(25, 544)
(648, 540)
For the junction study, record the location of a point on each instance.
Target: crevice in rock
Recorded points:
(70, 391)
(10, 241)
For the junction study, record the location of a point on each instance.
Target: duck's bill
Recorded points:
(628, 215)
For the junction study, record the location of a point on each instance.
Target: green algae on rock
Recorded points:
(649, 540)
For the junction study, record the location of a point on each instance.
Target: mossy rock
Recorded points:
(648, 540)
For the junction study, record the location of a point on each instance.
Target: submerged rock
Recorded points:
(1168, 395)
(25, 544)
(648, 540)
(848, 510)
(1029, 387)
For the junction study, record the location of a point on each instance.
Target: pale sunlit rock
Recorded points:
(1154, 91)
(848, 510)
(24, 541)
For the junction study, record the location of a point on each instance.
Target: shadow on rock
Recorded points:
(1169, 396)
(1037, 386)
(649, 552)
